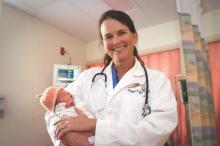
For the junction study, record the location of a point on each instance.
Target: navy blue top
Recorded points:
(114, 76)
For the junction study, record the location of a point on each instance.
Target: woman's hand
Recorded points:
(79, 123)
(76, 139)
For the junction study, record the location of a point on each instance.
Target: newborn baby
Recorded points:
(53, 96)
(60, 103)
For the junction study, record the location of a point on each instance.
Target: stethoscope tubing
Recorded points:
(146, 108)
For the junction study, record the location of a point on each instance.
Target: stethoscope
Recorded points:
(146, 108)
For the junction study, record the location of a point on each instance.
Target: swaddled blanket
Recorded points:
(59, 103)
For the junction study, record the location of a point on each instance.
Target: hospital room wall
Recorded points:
(0, 8)
(211, 25)
(160, 37)
(28, 50)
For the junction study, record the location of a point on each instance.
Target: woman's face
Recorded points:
(118, 40)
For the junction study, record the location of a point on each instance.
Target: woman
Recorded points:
(118, 104)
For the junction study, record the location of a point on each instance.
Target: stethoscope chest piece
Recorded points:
(146, 110)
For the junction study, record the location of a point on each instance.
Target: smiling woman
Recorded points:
(119, 43)
(125, 112)
(24, 37)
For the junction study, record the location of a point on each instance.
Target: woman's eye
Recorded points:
(108, 37)
(121, 33)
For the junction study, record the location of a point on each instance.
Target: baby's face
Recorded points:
(65, 97)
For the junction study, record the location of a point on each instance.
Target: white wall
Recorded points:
(28, 50)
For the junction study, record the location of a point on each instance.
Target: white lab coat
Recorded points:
(61, 111)
(120, 121)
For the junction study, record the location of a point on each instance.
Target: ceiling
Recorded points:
(80, 17)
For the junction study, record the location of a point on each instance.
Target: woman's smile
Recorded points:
(119, 48)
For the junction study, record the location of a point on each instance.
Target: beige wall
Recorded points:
(94, 51)
(211, 25)
(161, 37)
(0, 8)
(28, 50)
(166, 35)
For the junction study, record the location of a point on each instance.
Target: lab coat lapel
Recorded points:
(108, 72)
(134, 75)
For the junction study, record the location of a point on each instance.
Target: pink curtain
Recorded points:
(94, 65)
(214, 64)
(169, 63)
(166, 61)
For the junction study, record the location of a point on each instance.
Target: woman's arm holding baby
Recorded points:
(70, 138)
(76, 139)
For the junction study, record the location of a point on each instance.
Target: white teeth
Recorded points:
(117, 49)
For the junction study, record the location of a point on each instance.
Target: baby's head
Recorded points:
(54, 95)
(64, 97)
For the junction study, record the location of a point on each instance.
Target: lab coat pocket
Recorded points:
(132, 107)
(97, 97)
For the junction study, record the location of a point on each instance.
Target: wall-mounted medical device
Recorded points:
(181, 85)
(2, 106)
(183, 90)
(63, 74)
